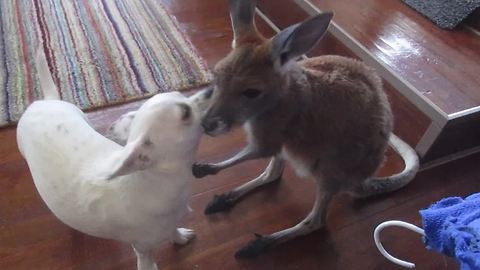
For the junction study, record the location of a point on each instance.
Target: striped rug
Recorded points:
(101, 52)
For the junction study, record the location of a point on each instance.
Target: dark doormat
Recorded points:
(445, 13)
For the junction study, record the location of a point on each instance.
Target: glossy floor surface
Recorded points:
(32, 238)
(442, 65)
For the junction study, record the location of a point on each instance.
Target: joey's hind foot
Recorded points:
(220, 203)
(255, 248)
(202, 170)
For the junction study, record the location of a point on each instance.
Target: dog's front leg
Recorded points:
(145, 259)
(247, 153)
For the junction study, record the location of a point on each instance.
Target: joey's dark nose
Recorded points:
(210, 125)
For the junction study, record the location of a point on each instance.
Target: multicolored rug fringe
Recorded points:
(100, 52)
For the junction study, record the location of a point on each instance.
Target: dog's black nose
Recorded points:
(209, 125)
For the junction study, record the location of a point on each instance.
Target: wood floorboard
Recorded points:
(30, 235)
(443, 65)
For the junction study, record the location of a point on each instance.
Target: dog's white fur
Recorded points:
(137, 193)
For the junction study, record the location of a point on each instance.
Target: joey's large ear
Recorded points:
(135, 156)
(298, 39)
(242, 14)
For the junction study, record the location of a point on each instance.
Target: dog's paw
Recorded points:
(255, 248)
(219, 203)
(202, 170)
(183, 236)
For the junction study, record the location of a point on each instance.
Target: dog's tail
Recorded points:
(379, 185)
(47, 85)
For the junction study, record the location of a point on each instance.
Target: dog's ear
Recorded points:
(202, 99)
(299, 39)
(135, 156)
(120, 129)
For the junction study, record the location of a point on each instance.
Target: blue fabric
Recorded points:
(452, 227)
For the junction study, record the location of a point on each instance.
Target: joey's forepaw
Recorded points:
(202, 170)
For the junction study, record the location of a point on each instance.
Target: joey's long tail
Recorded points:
(47, 85)
(378, 185)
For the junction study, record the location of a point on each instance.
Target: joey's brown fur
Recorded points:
(328, 116)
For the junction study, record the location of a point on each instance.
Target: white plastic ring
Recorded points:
(378, 243)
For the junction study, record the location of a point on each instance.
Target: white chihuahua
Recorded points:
(135, 193)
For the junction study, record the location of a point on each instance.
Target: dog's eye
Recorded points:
(186, 111)
(251, 93)
(208, 93)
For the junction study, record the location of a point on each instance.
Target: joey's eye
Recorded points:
(251, 93)
(186, 111)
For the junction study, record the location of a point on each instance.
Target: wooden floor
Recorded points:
(435, 68)
(443, 65)
(32, 238)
